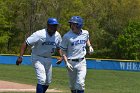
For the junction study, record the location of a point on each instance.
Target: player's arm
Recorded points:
(64, 56)
(63, 47)
(22, 50)
(68, 65)
(90, 48)
(59, 59)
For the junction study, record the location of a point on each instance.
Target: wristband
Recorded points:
(21, 57)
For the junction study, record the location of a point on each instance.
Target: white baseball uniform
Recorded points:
(74, 46)
(43, 46)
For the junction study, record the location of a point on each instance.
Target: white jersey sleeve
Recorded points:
(31, 40)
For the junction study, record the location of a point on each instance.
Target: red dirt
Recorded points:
(6, 86)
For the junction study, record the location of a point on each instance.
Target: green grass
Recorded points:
(97, 81)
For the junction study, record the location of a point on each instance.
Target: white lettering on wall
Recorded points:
(130, 65)
(134, 67)
(138, 66)
(122, 65)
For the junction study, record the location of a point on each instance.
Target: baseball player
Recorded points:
(73, 47)
(43, 44)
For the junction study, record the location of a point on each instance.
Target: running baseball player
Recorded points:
(43, 44)
(73, 46)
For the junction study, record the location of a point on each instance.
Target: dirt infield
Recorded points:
(6, 86)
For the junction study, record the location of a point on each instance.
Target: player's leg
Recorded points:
(41, 75)
(72, 77)
(73, 91)
(81, 74)
(72, 80)
(39, 88)
(45, 87)
(80, 91)
(77, 91)
(48, 70)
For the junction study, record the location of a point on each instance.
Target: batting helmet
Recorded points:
(52, 21)
(78, 20)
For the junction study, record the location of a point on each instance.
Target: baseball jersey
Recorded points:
(43, 44)
(75, 44)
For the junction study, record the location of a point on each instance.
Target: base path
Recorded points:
(6, 86)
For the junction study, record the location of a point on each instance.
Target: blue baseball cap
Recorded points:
(52, 21)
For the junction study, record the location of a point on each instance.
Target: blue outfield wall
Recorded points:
(102, 64)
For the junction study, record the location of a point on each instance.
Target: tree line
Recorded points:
(114, 25)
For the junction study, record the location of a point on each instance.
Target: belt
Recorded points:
(80, 59)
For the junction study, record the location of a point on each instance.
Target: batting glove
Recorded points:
(91, 50)
(69, 66)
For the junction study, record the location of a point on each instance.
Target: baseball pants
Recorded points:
(43, 69)
(77, 76)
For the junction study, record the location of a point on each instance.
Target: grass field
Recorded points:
(97, 81)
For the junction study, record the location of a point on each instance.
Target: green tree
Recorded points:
(128, 43)
(108, 19)
(5, 26)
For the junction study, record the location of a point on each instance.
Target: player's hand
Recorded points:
(91, 50)
(59, 60)
(19, 60)
(69, 66)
